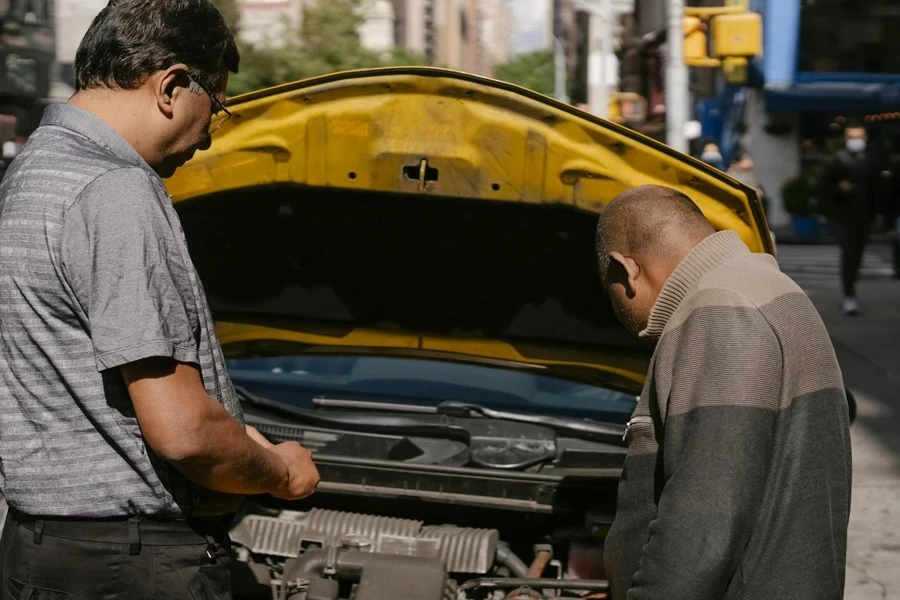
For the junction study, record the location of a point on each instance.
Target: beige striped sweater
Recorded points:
(737, 480)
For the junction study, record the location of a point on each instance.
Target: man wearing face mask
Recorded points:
(123, 446)
(850, 184)
(712, 156)
(736, 484)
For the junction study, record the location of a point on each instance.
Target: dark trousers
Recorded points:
(43, 560)
(852, 238)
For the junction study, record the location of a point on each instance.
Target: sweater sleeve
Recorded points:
(717, 443)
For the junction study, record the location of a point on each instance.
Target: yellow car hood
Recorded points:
(442, 136)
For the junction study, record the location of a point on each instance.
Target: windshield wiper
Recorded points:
(583, 429)
(387, 424)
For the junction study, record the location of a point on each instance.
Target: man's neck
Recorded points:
(711, 252)
(117, 109)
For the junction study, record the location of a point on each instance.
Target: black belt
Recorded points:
(133, 531)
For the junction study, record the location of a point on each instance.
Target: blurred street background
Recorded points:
(761, 89)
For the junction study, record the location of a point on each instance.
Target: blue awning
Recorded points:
(856, 95)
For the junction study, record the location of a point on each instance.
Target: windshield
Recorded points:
(296, 380)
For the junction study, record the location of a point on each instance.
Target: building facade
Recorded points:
(456, 36)
(74, 17)
(825, 63)
(412, 24)
(266, 22)
(377, 31)
(497, 30)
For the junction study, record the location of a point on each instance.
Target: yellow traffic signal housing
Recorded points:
(737, 35)
(735, 70)
(694, 39)
(632, 107)
(627, 107)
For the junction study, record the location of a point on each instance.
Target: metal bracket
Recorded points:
(423, 167)
(282, 589)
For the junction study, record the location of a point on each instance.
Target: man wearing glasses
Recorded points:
(123, 449)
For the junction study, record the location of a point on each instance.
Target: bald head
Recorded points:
(650, 221)
(642, 237)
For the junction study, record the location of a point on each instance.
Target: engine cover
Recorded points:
(379, 576)
(460, 549)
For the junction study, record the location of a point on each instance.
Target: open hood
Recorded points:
(426, 212)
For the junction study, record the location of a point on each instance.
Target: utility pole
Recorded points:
(677, 93)
(559, 71)
(606, 51)
(600, 49)
(600, 28)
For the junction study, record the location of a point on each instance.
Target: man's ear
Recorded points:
(625, 271)
(167, 85)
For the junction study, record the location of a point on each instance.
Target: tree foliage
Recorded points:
(327, 41)
(230, 12)
(534, 70)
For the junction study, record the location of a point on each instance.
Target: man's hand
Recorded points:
(302, 478)
(846, 187)
(302, 475)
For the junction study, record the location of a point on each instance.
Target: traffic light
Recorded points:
(735, 70)
(736, 35)
(694, 39)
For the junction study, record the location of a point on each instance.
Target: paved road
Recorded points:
(819, 266)
(868, 347)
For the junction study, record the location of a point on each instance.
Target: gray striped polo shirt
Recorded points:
(94, 273)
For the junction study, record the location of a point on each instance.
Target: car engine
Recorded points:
(323, 554)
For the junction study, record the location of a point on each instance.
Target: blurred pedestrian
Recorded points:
(712, 155)
(737, 479)
(850, 184)
(744, 170)
(124, 451)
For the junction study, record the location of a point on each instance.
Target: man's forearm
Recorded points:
(225, 459)
(189, 429)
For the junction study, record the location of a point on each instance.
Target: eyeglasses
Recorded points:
(221, 115)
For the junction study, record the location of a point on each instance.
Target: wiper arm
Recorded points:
(362, 424)
(584, 429)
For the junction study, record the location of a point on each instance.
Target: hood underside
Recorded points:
(452, 205)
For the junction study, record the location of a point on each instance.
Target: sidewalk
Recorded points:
(868, 347)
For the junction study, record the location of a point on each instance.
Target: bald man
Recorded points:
(737, 480)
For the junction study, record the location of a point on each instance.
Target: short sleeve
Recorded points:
(122, 259)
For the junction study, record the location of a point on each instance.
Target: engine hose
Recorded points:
(542, 555)
(498, 583)
(508, 559)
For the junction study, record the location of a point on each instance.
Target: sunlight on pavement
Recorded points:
(873, 551)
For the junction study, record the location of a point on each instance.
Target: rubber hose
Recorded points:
(508, 558)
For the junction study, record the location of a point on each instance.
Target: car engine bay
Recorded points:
(517, 511)
(323, 554)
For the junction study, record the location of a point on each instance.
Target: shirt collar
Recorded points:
(712, 252)
(97, 130)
